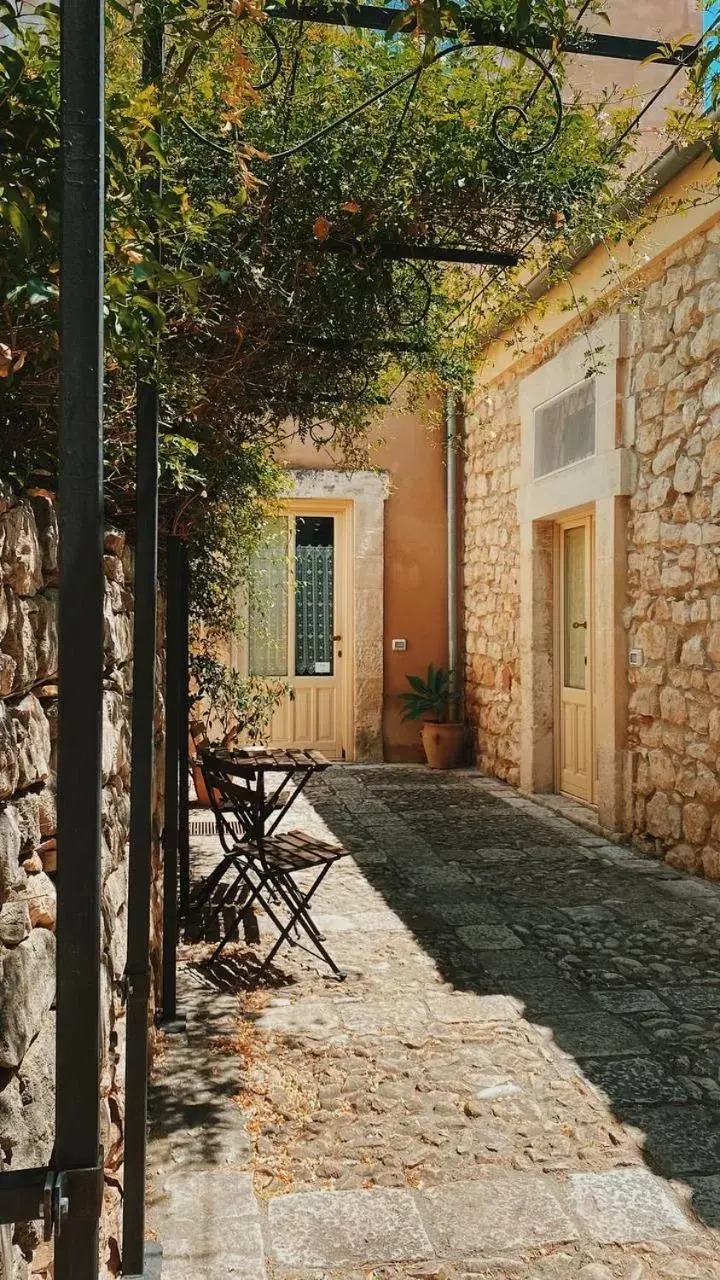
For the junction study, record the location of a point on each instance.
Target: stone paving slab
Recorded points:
(334, 1228)
(493, 1215)
(459, 1007)
(520, 1079)
(680, 1140)
(624, 1205)
(592, 1035)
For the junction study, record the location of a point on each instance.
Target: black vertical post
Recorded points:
(137, 975)
(184, 794)
(173, 675)
(80, 622)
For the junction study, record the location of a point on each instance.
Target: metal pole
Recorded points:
(173, 673)
(80, 622)
(141, 833)
(137, 975)
(452, 574)
(184, 794)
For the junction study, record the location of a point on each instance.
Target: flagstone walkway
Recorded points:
(519, 1078)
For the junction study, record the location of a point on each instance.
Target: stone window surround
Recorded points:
(367, 492)
(600, 484)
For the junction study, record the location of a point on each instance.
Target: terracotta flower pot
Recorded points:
(201, 791)
(443, 743)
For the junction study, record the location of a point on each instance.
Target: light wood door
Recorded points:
(297, 628)
(574, 631)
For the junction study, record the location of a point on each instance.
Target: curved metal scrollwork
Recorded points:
(520, 114)
(268, 80)
(398, 309)
(322, 432)
(516, 111)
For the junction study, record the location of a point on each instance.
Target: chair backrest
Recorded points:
(228, 799)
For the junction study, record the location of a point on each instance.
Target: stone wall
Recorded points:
(671, 424)
(674, 559)
(490, 572)
(28, 859)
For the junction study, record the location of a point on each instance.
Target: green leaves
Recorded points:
(430, 698)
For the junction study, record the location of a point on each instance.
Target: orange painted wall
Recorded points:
(415, 587)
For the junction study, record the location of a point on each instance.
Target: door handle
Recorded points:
(579, 624)
(336, 638)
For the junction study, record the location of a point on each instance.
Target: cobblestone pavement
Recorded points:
(519, 1078)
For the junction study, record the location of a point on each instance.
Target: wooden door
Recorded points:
(574, 632)
(297, 628)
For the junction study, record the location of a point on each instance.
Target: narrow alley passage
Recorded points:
(519, 1078)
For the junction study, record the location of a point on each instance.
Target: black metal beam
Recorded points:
(80, 619)
(591, 44)
(397, 252)
(137, 973)
(183, 744)
(173, 674)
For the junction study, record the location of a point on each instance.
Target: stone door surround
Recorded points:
(366, 491)
(600, 485)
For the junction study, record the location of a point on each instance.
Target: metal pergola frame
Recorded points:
(68, 1193)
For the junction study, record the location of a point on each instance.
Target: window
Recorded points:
(268, 620)
(314, 573)
(565, 429)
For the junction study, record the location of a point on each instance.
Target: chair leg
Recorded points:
(297, 915)
(206, 886)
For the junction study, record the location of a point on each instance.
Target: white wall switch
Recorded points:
(399, 646)
(636, 657)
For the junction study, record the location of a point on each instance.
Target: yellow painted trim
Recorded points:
(344, 511)
(548, 320)
(584, 518)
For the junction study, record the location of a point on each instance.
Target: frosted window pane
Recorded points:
(268, 621)
(575, 611)
(565, 429)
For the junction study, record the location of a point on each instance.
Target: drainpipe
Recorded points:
(452, 573)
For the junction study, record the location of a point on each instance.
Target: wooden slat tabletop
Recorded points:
(259, 760)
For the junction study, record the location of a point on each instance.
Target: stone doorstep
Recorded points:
(491, 1216)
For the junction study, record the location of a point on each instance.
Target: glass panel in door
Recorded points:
(575, 607)
(268, 614)
(314, 595)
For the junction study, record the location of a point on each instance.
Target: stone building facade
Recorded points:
(28, 860)
(650, 492)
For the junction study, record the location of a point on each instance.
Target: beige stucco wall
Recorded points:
(656, 502)
(407, 448)
(367, 492)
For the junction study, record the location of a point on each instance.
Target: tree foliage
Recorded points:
(261, 330)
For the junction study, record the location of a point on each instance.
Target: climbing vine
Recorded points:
(269, 168)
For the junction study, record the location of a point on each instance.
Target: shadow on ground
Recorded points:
(617, 955)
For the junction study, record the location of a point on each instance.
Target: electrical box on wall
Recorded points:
(636, 657)
(399, 646)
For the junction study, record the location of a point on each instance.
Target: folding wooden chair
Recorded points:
(267, 866)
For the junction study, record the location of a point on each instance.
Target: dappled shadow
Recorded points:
(617, 955)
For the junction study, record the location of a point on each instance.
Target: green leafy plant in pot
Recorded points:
(432, 700)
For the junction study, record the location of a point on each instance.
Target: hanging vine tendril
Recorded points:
(516, 114)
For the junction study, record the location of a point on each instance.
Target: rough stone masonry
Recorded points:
(28, 858)
(671, 571)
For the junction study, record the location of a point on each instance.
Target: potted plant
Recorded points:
(432, 701)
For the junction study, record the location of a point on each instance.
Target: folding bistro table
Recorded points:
(255, 788)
